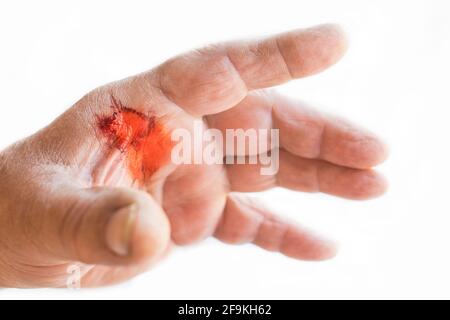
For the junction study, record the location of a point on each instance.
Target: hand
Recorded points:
(97, 188)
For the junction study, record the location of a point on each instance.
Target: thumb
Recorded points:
(110, 226)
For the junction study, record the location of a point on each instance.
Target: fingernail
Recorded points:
(119, 230)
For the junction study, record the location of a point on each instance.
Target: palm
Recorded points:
(192, 195)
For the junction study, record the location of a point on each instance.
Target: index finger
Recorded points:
(215, 78)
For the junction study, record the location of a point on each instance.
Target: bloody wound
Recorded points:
(140, 138)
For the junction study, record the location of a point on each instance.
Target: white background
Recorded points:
(395, 80)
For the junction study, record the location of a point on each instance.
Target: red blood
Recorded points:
(141, 138)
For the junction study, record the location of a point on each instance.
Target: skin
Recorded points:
(67, 198)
